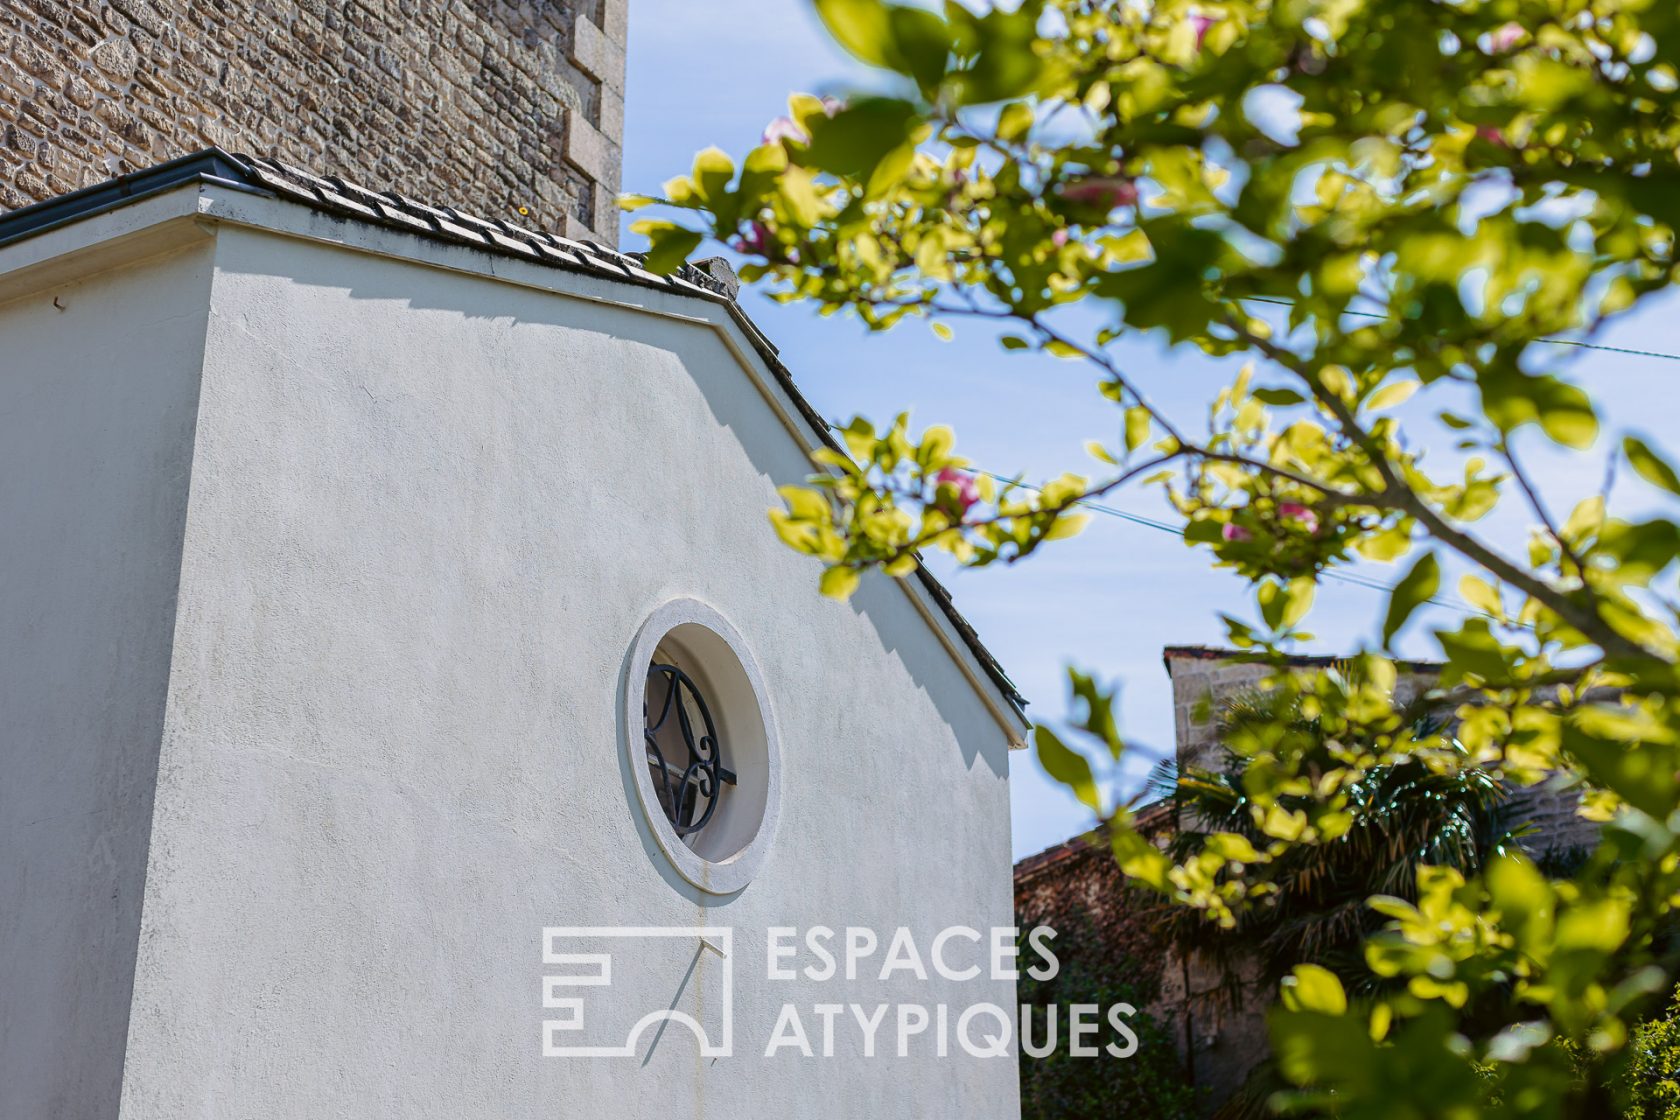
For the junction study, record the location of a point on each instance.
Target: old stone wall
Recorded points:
(1205, 679)
(504, 109)
(1217, 1030)
(1228, 1039)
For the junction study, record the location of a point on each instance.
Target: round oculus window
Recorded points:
(701, 745)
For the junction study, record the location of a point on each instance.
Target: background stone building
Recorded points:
(1202, 675)
(1218, 1020)
(507, 110)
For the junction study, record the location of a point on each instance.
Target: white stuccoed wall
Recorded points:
(428, 512)
(97, 400)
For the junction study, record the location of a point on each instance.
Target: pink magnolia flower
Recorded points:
(1235, 532)
(1504, 37)
(783, 128)
(1105, 191)
(1201, 25)
(756, 240)
(1059, 238)
(964, 491)
(1302, 515)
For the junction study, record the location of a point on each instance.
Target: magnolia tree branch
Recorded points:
(1539, 509)
(915, 545)
(1583, 618)
(1330, 494)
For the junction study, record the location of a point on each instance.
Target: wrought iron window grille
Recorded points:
(689, 789)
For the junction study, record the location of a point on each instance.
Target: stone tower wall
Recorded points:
(508, 110)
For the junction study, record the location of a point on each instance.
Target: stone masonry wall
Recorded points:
(1208, 678)
(510, 110)
(1202, 675)
(1217, 1040)
(1228, 1040)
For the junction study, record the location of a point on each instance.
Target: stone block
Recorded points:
(615, 20)
(597, 55)
(609, 116)
(585, 147)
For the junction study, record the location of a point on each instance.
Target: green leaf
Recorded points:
(1301, 594)
(1482, 595)
(1390, 395)
(912, 41)
(1098, 719)
(1563, 411)
(1569, 418)
(1416, 587)
(856, 140)
(1000, 61)
(938, 442)
(798, 190)
(890, 171)
(1473, 651)
(1650, 466)
(1644, 775)
(1230, 846)
(863, 27)
(1137, 857)
(1067, 767)
(713, 169)
(803, 503)
(920, 45)
(839, 583)
(1015, 120)
(1312, 987)
(1283, 605)
(669, 246)
(1137, 427)
(1583, 521)
(1524, 899)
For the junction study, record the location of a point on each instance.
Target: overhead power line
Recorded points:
(1352, 578)
(1549, 341)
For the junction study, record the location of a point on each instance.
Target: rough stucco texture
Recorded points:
(485, 105)
(98, 394)
(429, 513)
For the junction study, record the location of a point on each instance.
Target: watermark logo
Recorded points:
(574, 963)
(595, 976)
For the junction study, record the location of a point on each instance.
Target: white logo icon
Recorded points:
(585, 970)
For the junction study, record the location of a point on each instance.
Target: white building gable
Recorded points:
(338, 535)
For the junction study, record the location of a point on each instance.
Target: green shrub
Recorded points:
(1653, 1071)
(1148, 1085)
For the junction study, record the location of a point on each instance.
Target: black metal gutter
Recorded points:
(209, 166)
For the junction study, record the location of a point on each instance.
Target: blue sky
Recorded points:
(1109, 600)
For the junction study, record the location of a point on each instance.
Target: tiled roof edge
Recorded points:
(1147, 819)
